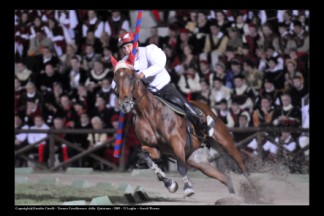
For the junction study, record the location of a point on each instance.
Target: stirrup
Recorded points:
(210, 124)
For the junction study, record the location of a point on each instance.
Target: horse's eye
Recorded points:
(131, 77)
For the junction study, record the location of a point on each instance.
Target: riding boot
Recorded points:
(193, 116)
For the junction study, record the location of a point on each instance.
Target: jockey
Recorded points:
(150, 67)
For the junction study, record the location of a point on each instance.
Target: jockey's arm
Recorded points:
(156, 58)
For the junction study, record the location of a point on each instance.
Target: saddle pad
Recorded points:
(172, 106)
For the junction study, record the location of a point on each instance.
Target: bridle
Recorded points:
(133, 101)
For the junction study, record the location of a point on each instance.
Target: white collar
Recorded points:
(286, 108)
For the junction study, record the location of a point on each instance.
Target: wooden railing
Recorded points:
(259, 134)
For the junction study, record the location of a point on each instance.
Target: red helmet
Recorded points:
(125, 38)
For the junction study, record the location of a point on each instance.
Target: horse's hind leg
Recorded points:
(205, 167)
(170, 184)
(222, 136)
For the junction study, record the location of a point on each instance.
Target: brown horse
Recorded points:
(162, 131)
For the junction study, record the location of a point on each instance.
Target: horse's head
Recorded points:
(125, 78)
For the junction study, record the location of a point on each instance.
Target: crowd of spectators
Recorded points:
(250, 66)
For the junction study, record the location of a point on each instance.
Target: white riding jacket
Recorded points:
(151, 61)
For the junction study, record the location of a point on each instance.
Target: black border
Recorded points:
(7, 120)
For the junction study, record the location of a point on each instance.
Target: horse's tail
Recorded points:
(223, 136)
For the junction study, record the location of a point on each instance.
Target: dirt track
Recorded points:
(269, 189)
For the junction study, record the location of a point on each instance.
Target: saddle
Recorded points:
(179, 110)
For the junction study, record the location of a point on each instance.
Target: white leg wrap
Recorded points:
(157, 170)
(210, 123)
(186, 180)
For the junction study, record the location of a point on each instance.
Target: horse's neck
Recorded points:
(142, 96)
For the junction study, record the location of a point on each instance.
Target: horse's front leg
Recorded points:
(187, 188)
(170, 184)
(177, 141)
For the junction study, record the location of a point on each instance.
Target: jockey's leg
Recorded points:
(187, 188)
(170, 184)
(170, 93)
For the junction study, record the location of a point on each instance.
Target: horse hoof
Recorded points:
(188, 192)
(173, 187)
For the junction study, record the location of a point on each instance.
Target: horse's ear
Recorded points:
(131, 58)
(113, 61)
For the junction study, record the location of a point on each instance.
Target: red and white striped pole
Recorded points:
(118, 142)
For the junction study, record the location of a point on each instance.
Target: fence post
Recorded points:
(51, 150)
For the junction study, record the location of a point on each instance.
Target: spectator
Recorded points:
(299, 90)
(65, 59)
(52, 103)
(253, 76)
(20, 141)
(205, 92)
(223, 113)
(66, 112)
(219, 92)
(81, 139)
(56, 33)
(19, 91)
(275, 74)
(215, 43)
(252, 37)
(92, 40)
(284, 42)
(93, 23)
(189, 83)
(106, 58)
(23, 74)
(96, 76)
(189, 59)
(107, 93)
(115, 24)
(262, 115)
(46, 80)
(89, 58)
(205, 71)
(32, 110)
(96, 139)
(60, 148)
(103, 112)
(240, 25)
(77, 74)
(301, 37)
(36, 137)
(22, 36)
(290, 73)
(268, 90)
(38, 43)
(287, 114)
(68, 20)
(235, 111)
(154, 38)
(243, 94)
(218, 74)
(235, 70)
(234, 40)
(32, 94)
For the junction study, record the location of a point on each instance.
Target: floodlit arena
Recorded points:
(141, 109)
